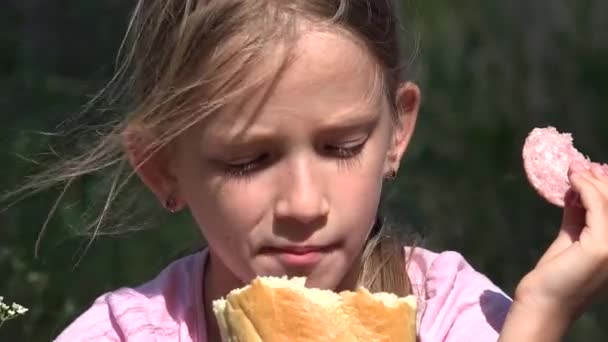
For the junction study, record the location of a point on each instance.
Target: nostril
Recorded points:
(296, 230)
(302, 209)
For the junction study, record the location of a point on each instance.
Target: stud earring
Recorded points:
(391, 175)
(171, 204)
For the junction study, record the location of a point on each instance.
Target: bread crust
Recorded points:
(263, 312)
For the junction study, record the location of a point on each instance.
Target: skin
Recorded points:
(573, 272)
(299, 190)
(284, 167)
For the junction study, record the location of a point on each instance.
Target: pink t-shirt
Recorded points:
(456, 303)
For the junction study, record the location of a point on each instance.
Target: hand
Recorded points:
(574, 271)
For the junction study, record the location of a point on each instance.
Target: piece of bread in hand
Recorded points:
(272, 309)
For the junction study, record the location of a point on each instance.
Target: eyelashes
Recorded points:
(346, 156)
(245, 168)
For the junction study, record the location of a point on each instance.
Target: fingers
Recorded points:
(592, 186)
(600, 172)
(573, 221)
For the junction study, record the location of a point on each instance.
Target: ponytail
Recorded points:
(383, 264)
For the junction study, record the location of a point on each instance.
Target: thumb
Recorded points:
(573, 221)
(573, 218)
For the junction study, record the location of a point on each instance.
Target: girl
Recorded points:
(275, 124)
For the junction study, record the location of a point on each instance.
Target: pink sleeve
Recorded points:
(98, 323)
(458, 303)
(163, 309)
(124, 315)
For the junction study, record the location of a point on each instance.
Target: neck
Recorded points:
(218, 281)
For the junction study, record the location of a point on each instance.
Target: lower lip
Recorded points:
(298, 259)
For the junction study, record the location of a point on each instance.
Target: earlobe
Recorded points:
(407, 104)
(152, 167)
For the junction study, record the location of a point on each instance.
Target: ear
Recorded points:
(152, 167)
(408, 103)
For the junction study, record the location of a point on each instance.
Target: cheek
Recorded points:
(357, 205)
(356, 192)
(242, 203)
(227, 208)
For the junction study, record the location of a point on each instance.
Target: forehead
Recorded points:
(329, 77)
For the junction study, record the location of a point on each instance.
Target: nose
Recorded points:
(302, 197)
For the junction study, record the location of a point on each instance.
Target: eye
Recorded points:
(244, 167)
(346, 150)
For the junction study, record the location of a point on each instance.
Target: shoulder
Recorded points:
(160, 309)
(455, 300)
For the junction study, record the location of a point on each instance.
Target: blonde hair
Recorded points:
(177, 52)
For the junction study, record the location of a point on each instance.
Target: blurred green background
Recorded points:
(490, 71)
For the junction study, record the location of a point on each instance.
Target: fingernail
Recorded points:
(577, 167)
(597, 169)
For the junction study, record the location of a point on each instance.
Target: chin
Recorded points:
(330, 275)
(325, 282)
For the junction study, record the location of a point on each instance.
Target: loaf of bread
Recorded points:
(272, 309)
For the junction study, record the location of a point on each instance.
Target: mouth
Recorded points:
(298, 256)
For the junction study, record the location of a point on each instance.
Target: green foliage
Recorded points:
(490, 71)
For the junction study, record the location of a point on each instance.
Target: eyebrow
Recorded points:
(257, 134)
(239, 141)
(361, 121)
(355, 116)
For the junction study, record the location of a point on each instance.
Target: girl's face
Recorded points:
(289, 183)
